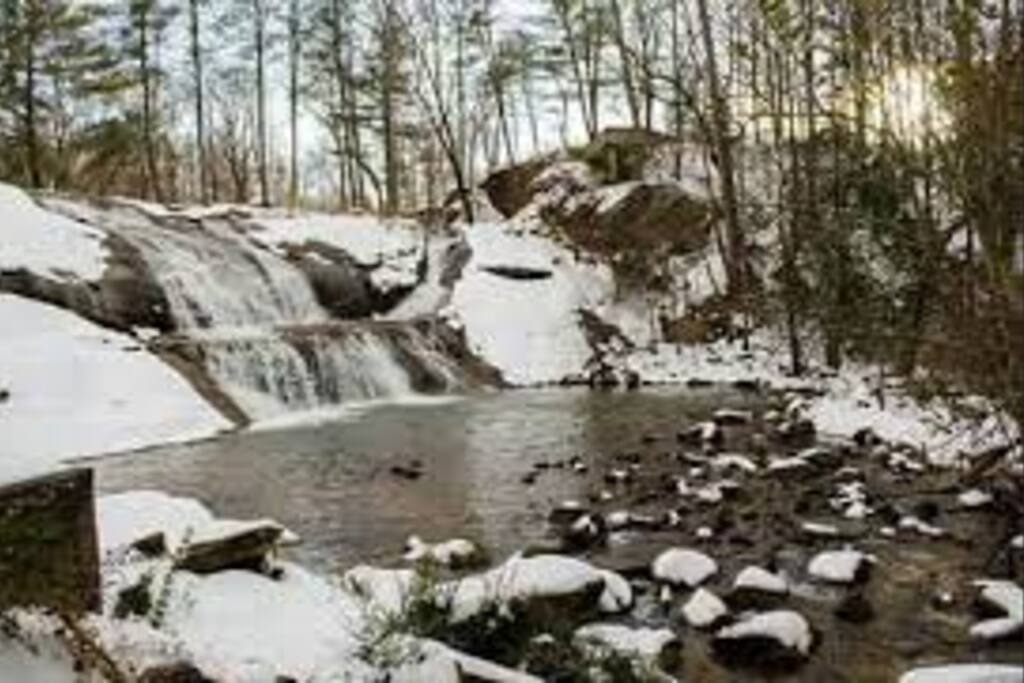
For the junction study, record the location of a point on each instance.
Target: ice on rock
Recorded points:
(683, 566)
(704, 608)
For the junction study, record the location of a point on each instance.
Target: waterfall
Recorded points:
(253, 320)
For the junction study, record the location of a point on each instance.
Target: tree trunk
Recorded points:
(197, 69)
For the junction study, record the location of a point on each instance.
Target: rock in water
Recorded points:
(683, 566)
(840, 566)
(769, 641)
(704, 609)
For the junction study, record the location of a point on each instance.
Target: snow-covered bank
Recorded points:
(44, 242)
(75, 389)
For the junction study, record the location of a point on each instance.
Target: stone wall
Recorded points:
(48, 548)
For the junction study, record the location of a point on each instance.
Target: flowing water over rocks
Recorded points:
(261, 325)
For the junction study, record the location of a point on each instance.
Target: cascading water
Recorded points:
(255, 321)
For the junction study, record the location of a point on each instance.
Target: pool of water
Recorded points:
(332, 482)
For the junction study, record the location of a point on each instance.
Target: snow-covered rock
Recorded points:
(704, 609)
(1004, 596)
(617, 595)
(648, 646)
(455, 553)
(755, 578)
(965, 673)
(768, 639)
(683, 566)
(839, 566)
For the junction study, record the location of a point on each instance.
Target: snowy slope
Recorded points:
(44, 242)
(78, 390)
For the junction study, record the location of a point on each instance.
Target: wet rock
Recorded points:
(855, 608)
(518, 272)
(769, 641)
(153, 545)
(5, 395)
(407, 472)
(179, 672)
(586, 531)
(683, 566)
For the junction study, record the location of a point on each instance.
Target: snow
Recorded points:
(46, 243)
(79, 390)
(644, 644)
(756, 578)
(124, 518)
(704, 608)
(530, 329)
(790, 629)
(679, 566)
(393, 248)
(965, 673)
(521, 579)
(974, 498)
(837, 566)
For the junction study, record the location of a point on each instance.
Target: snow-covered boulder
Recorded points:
(769, 640)
(704, 609)
(840, 566)
(683, 566)
(1000, 597)
(755, 587)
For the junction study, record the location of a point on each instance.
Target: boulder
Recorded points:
(840, 566)
(225, 545)
(179, 672)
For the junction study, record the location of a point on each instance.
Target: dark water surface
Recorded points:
(332, 483)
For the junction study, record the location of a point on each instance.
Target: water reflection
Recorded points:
(332, 482)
